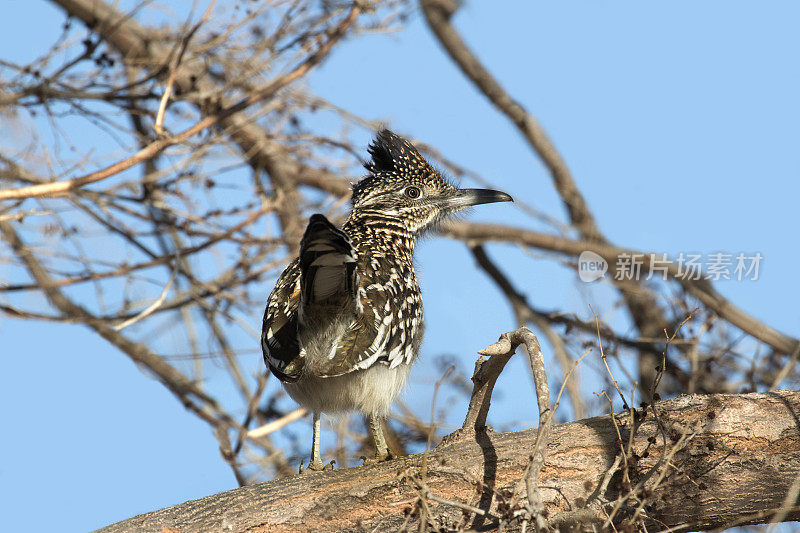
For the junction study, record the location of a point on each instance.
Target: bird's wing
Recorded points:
(317, 287)
(279, 341)
(388, 331)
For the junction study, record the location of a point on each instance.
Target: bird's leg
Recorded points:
(316, 463)
(381, 450)
(316, 459)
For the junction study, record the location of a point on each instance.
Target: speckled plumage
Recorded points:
(344, 323)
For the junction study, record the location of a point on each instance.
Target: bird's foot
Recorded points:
(378, 458)
(316, 466)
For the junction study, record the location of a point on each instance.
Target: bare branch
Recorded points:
(438, 14)
(280, 423)
(701, 289)
(176, 382)
(158, 146)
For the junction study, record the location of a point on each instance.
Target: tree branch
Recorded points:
(159, 145)
(525, 314)
(702, 289)
(505, 348)
(438, 14)
(737, 459)
(642, 305)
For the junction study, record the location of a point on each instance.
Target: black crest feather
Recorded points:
(392, 153)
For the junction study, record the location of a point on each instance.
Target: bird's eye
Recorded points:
(413, 192)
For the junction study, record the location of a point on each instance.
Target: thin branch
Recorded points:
(525, 313)
(702, 289)
(280, 423)
(150, 309)
(438, 14)
(63, 187)
(175, 382)
(162, 104)
(786, 369)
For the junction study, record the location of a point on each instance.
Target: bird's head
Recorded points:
(403, 188)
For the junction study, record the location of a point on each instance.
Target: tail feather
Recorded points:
(327, 266)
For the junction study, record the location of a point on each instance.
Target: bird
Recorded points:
(344, 323)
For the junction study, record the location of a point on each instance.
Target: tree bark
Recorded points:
(693, 462)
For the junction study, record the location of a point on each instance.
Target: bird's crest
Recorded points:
(392, 153)
(392, 157)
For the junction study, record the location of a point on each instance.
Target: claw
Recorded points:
(317, 466)
(378, 458)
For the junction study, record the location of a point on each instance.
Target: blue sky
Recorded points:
(678, 120)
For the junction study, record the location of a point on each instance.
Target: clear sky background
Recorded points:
(678, 119)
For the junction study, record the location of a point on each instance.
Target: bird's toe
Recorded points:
(316, 466)
(378, 458)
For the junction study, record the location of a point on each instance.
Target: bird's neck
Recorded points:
(373, 234)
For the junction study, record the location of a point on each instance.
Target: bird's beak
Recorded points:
(464, 198)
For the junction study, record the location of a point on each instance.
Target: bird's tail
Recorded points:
(328, 277)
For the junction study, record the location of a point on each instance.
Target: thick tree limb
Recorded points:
(732, 458)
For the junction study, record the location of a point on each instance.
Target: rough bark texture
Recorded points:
(698, 462)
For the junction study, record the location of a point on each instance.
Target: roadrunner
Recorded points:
(343, 324)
